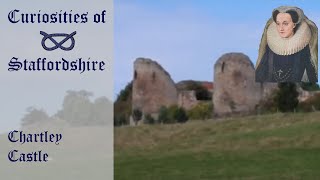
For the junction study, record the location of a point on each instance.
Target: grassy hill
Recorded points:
(276, 146)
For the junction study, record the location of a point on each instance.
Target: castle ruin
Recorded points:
(152, 87)
(235, 90)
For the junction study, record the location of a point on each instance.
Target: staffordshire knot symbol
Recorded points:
(56, 44)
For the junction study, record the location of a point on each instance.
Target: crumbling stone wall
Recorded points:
(187, 99)
(236, 91)
(152, 87)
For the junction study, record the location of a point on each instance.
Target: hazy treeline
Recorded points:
(77, 110)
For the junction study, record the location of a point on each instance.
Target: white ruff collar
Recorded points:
(288, 46)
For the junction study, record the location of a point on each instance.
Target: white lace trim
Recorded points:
(288, 46)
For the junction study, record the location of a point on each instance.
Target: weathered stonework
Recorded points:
(152, 87)
(304, 95)
(187, 99)
(235, 89)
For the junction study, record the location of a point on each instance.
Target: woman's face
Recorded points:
(285, 26)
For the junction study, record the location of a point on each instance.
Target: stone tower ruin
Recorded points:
(236, 91)
(152, 87)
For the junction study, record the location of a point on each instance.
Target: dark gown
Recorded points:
(278, 68)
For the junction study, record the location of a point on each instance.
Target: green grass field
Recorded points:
(277, 146)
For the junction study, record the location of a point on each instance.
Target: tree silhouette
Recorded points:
(136, 115)
(34, 116)
(287, 97)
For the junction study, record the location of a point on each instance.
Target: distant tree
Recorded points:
(137, 115)
(287, 97)
(201, 111)
(123, 106)
(172, 114)
(125, 94)
(122, 111)
(180, 115)
(172, 110)
(34, 116)
(101, 110)
(120, 120)
(201, 92)
(77, 108)
(148, 119)
(163, 115)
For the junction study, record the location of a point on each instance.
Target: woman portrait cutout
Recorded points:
(288, 49)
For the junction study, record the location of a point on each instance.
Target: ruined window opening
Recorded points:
(153, 76)
(135, 74)
(222, 67)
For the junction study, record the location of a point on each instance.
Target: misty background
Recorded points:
(46, 90)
